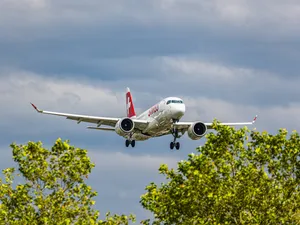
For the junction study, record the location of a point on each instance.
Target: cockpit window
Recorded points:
(174, 101)
(177, 101)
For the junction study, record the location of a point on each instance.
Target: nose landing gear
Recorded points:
(130, 142)
(174, 144)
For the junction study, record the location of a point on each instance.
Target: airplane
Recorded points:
(161, 119)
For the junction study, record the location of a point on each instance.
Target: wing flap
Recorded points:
(186, 125)
(101, 128)
(98, 120)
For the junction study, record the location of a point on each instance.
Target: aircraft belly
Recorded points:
(159, 126)
(140, 137)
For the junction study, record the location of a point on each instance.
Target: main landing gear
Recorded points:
(130, 142)
(174, 143)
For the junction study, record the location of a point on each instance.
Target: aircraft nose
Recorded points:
(178, 111)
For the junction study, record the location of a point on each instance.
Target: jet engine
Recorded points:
(124, 126)
(197, 130)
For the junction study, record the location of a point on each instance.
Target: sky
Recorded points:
(228, 60)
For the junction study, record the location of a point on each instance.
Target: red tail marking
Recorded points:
(129, 105)
(33, 106)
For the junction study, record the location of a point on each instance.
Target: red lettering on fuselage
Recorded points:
(154, 109)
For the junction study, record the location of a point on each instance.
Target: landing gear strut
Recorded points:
(130, 142)
(174, 143)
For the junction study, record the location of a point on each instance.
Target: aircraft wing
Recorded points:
(108, 121)
(183, 126)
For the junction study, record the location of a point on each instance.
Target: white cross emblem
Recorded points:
(128, 105)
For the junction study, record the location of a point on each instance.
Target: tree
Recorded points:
(237, 177)
(54, 189)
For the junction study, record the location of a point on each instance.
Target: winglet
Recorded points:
(254, 120)
(40, 111)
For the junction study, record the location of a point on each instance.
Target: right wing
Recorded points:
(108, 121)
(184, 126)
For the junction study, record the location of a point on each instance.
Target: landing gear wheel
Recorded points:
(133, 143)
(127, 143)
(172, 145)
(177, 145)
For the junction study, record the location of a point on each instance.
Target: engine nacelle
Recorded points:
(124, 126)
(197, 130)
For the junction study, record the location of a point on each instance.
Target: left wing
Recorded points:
(108, 121)
(184, 126)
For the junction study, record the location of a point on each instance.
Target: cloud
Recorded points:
(245, 86)
(58, 93)
(6, 158)
(20, 122)
(121, 178)
(217, 83)
(19, 88)
(115, 161)
(251, 17)
(269, 119)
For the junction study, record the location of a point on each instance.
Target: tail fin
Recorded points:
(129, 104)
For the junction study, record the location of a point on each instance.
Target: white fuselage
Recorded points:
(161, 117)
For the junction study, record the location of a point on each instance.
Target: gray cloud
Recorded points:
(270, 118)
(128, 177)
(195, 76)
(253, 17)
(235, 84)
(135, 52)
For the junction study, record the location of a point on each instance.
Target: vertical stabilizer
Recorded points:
(129, 104)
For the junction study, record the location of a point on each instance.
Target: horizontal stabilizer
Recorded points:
(101, 128)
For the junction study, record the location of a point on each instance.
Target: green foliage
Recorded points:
(54, 190)
(238, 177)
